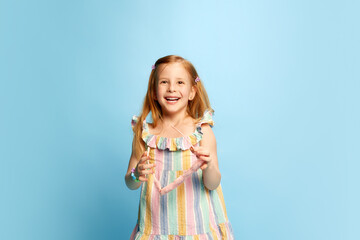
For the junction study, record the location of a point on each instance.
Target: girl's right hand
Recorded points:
(142, 168)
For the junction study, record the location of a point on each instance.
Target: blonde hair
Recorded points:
(195, 109)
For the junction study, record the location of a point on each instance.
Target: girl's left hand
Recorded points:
(203, 154)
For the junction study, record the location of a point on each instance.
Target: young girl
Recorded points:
(174, 159)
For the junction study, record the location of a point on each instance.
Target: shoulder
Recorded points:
(207, 130)
(208, 137)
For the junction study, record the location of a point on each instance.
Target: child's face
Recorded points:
(174, 88)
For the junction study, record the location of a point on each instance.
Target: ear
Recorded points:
(192, 93)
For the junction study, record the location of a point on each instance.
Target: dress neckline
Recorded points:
(147, 129)
(175, 143)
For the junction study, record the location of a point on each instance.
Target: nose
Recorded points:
(171, 87)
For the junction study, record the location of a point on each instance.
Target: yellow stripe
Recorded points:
(221, 196)
(181, 206)
(213, 233)
(208, 195)
(171, 237)
(149, 183)
(144, 237)
(186, 159)
(157, 140)
(173, 144)
(223, 231)
(196, 237)
(193, 139)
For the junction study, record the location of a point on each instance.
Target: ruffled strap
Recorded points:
(148, 138)
(206, 119)
(174, 144)
(134, 121)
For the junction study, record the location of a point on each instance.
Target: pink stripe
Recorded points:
(152, 142)
(189, 193)
(203, 237)
(155, 198)
(190, 217)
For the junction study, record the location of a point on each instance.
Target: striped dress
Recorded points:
(190, 211)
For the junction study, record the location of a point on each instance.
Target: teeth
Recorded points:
(172, 99)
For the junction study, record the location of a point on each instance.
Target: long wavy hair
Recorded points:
(195, 108)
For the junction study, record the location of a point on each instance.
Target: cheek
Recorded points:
(159, 92)
(188, 92)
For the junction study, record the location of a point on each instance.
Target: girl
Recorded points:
(174, 159)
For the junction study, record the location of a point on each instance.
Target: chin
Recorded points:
(173, 110)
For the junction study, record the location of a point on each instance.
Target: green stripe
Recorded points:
(142, 207)
(172, 206)
(177, 161)
(204, 204)
(217, 206)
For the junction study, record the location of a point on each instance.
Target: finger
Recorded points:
(205, 158)
(142, 166)
(195, 149)
(143, 179)
(143, 159)
(203, 166)
(148, 171)
(146, 166)
(202, 153)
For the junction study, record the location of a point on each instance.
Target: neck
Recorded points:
(174, 119)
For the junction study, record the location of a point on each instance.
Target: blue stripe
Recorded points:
(163, 210)
(210, 236)
(212, 192)
(169, 159)
(198, 216)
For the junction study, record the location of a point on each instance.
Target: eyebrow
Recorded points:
(168, 78)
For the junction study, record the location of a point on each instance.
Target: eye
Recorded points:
(163, 81)
(181, 82)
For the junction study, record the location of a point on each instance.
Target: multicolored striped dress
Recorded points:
(190, 211)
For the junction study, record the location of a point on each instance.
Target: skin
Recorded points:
(174, 81)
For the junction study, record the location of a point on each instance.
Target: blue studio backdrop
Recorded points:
(282, 77)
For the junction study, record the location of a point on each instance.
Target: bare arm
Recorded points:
(141, 169)
(208, 153)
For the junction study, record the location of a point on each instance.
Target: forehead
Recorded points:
(173, 70)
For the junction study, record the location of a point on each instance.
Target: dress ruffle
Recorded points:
(223, 231)
(174, 144)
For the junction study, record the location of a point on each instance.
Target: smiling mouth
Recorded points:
(172, 99)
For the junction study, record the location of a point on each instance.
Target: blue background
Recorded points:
(282, 76)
